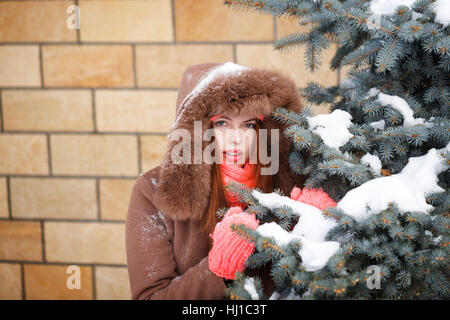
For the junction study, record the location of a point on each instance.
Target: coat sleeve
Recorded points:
(150, 258)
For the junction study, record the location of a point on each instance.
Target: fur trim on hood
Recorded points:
(208, 89)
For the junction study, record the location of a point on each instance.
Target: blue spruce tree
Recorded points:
(386, 164)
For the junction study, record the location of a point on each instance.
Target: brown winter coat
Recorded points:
(167, 258)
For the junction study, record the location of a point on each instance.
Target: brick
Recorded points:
(11, 280)
(112, 283)
(85, 242)
(133, 20)
(38, 21)
(56, 198)
(287, 25)
(49, 282)
(206, 20)
(90, 65)
(19, 66)
(91, 154)
(114, 198)
(47, 110)
(153, 149)
(289, 63)
(133, 111)
(20, 240)
(162, 66)
(23, 154)
(4, 209)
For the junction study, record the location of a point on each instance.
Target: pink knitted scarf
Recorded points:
(245, 175)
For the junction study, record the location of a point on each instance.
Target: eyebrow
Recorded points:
(225, 117)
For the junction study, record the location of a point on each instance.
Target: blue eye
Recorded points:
(220, 121)
(252, 125)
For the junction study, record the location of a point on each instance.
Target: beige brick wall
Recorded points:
(84, 111)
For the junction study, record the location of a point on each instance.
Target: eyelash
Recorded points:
(253, 126)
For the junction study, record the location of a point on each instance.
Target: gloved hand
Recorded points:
(315, 197)
(230, 250)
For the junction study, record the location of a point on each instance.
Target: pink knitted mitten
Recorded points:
(230, 250)
(315, 197)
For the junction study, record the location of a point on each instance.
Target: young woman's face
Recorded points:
(235, 138)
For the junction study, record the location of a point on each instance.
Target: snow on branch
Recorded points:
(332, 127)
(407, 188)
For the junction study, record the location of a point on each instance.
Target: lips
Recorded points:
(233, 152)
(232, 155)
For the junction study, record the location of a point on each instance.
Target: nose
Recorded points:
(234, 136)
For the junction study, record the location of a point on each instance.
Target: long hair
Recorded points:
(217, 197)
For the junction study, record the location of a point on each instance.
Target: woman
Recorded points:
(171, 217)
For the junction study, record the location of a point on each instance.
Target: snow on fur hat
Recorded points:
(210, 89)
